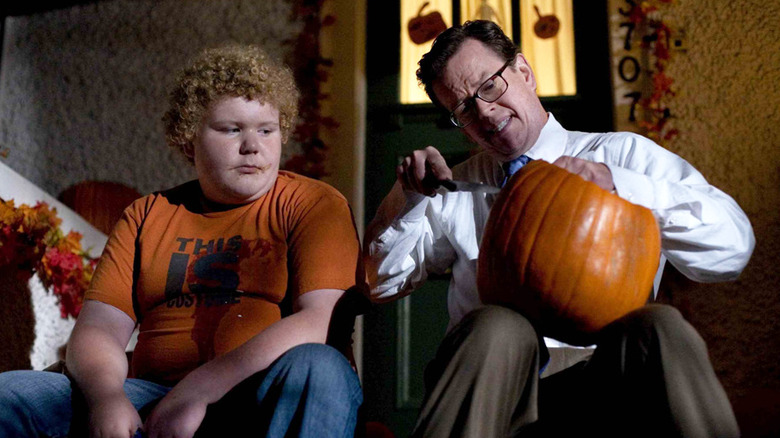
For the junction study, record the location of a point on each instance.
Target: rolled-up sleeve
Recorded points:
(400, 257)
(704, 233)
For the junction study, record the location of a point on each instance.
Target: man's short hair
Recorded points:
(448, 42)
(231, 71)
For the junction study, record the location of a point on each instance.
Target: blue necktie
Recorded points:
(511, 167)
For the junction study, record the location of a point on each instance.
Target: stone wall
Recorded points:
(83, 89)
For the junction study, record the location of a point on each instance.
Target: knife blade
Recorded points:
(466, 186)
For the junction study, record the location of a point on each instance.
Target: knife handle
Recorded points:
(448, 184)
(434, 183)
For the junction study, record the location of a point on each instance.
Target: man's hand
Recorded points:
(179, 414)
(114, 416)
(595, 172)
(420, 171)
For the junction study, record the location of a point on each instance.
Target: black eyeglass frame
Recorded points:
(472, 99)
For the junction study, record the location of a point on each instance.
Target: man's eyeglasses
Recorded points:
(489, 91)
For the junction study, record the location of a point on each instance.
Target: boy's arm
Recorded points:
(183, 409)
(97, 361)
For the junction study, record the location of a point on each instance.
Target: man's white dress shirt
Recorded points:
(704, 233)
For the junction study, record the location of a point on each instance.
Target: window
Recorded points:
(542, 28)
(421, 21)
(551, 57)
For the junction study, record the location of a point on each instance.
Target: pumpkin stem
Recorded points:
(422, 7)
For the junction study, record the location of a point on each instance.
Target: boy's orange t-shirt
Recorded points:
(202, 283)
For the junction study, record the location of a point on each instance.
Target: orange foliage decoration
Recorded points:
(31, 239)
(311, 70)
(565, 253)
(656, 41)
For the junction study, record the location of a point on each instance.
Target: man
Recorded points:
(649, 370)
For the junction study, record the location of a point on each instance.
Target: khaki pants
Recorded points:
(650, 376)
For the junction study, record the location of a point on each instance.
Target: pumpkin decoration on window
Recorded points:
(567, 254)
(424, 28)
(547, 25)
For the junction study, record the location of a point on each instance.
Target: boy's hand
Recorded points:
(114, 416)
(179, 414)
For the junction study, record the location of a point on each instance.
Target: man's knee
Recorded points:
(655, 331)
(655, 320)
(657, 315)
(500, 330)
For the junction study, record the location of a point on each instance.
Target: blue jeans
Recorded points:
(311, 390)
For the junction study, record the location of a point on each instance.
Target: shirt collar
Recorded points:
(551, 143)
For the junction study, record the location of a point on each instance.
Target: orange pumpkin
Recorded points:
(567, 254)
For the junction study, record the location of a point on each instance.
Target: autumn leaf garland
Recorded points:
(644, 14)
(31, 239)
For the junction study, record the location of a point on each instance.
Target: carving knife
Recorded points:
(465, 186)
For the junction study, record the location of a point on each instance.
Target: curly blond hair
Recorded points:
(231, 71)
